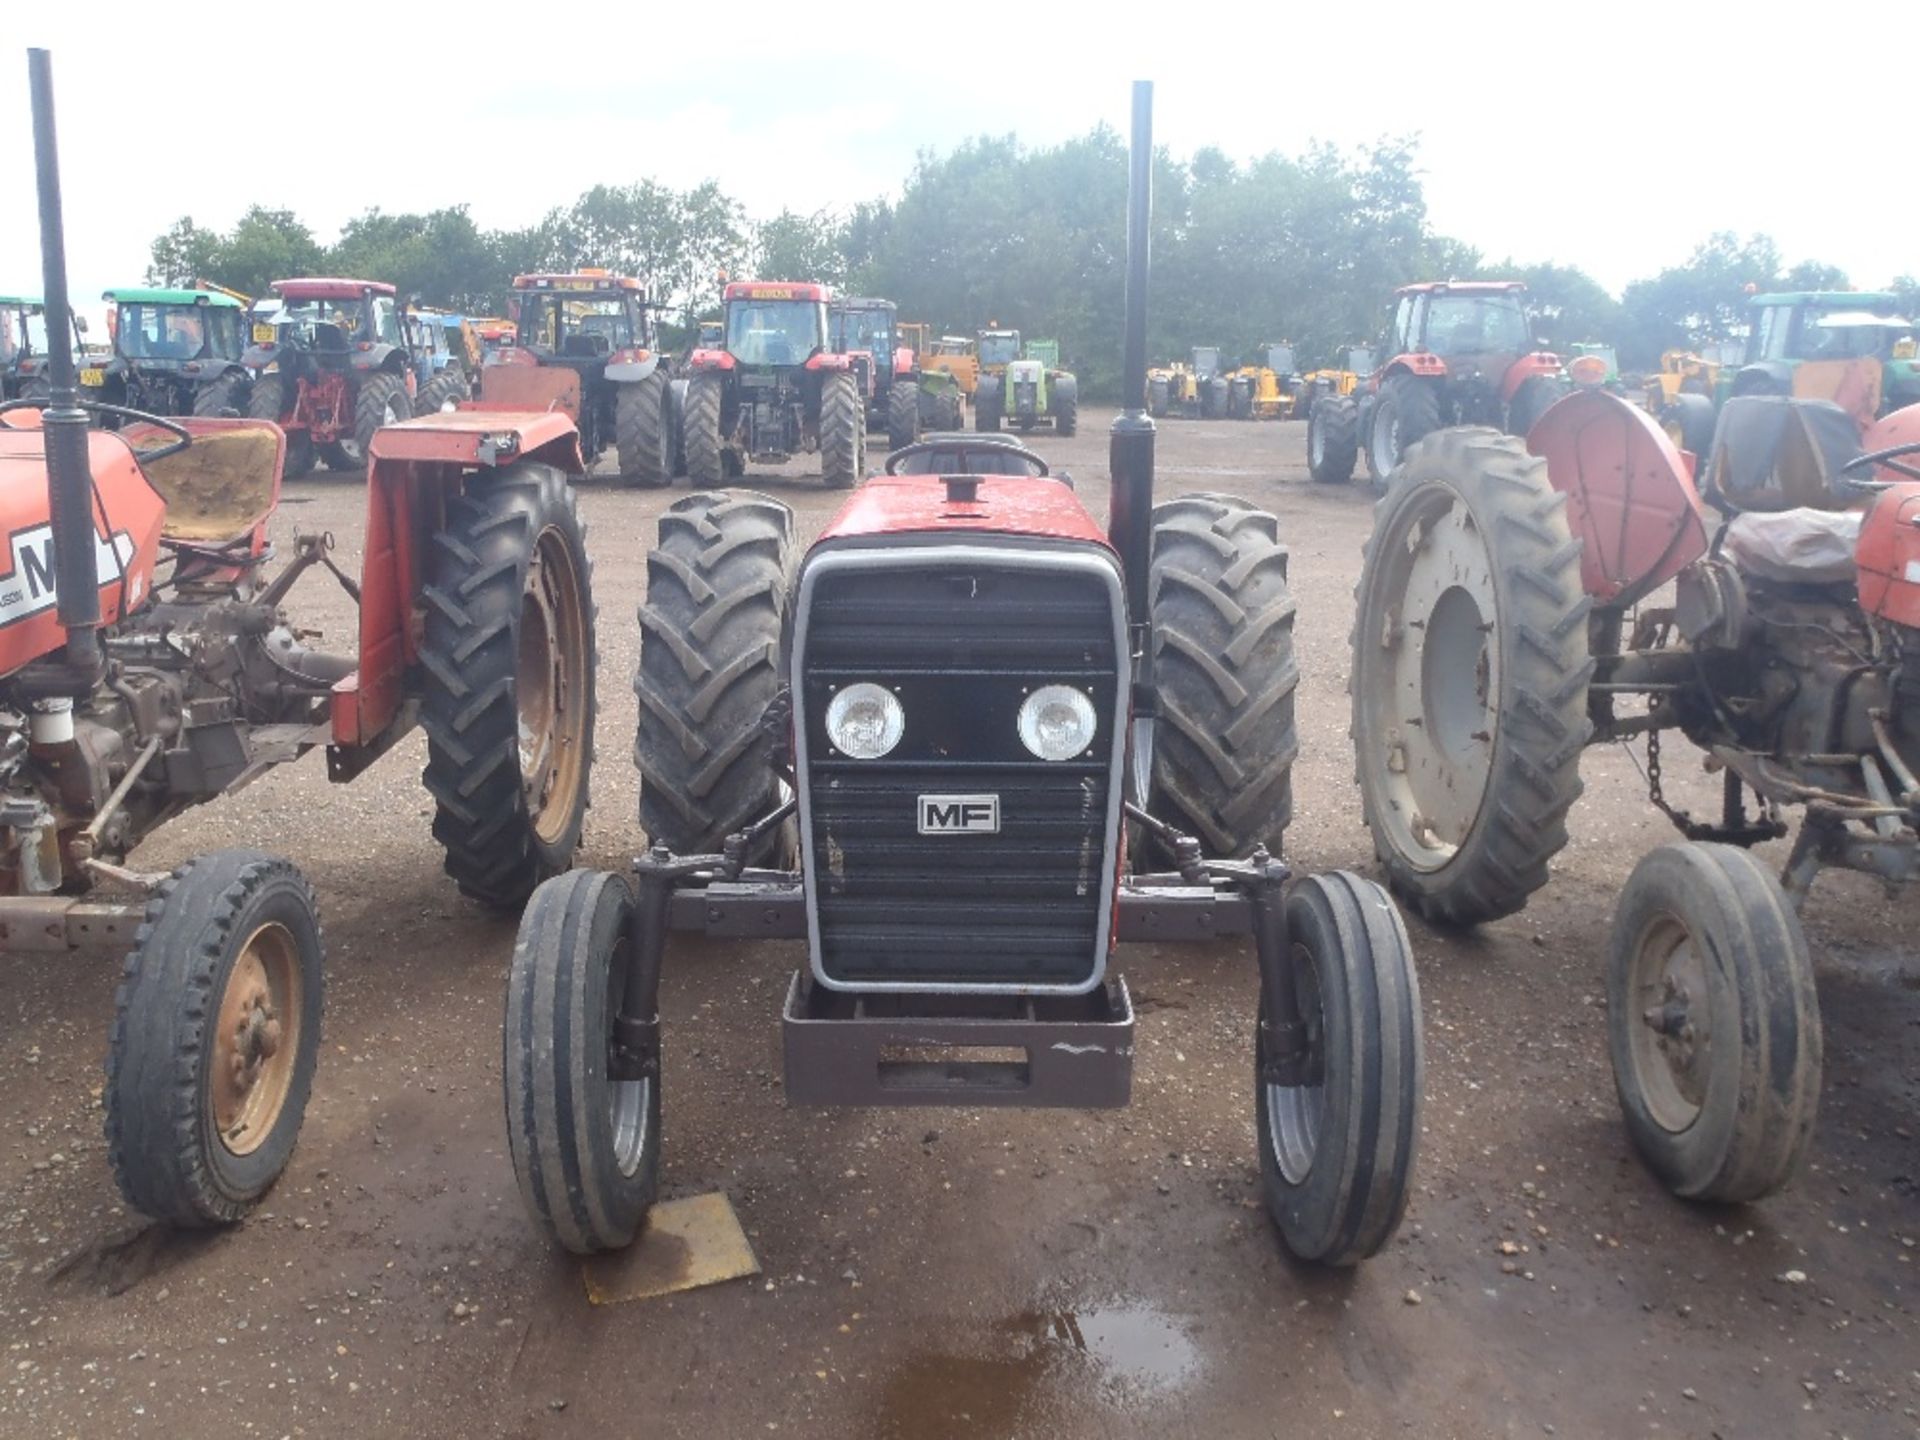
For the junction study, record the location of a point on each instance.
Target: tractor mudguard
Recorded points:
(710, 360)
(1630, 499)
(904, 363)
(629, 367)
(1528, 367)
(1417, 362)
(414, 467)
(381, 357)
(824, 361)
(532, 387)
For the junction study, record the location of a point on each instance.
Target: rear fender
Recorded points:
(824, 361)
(1630, 497)
(1418, 362)
(629, 367)
(711, 360)
(415, 470)
(532, 388)
(904, 363)
(1528, 367)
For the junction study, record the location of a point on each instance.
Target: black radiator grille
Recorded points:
(962, 645)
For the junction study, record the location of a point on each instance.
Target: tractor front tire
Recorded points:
(443, 393)
(1333, 439)
(383, 400)
(585, 1147)
(1469, 676)
(986, 408)
(224, 395)
(508, 656)
(1066, 406)
(1225, 742)
(843, 431)
(706, 454)
(903, 414)
(1407, 411)
(716, 599)
(643, 433)
(216, 1032)
(1157, 397)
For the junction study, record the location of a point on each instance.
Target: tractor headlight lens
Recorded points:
(1057, 722)
(865, 721)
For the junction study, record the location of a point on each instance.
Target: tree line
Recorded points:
(1303, 248)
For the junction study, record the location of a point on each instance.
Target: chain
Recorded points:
(1654, 793)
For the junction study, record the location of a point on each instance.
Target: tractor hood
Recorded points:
(907, 505)
(1025, 371)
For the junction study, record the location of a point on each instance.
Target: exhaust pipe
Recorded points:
(69, 472)
(1130, 448)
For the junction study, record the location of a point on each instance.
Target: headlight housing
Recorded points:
(1057, 722)
(865, 721)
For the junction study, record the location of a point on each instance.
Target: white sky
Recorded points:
(1679, 122)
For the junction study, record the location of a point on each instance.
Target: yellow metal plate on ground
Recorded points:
(687, 1243)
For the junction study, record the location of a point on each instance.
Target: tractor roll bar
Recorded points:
(1130, 448)
(69, 473)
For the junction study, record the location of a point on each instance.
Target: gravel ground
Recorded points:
(934, 1273)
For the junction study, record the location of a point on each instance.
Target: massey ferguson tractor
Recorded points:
(773, 389)
(149, 662)
(1462, 353)
(884, 366)
(1521, 600)
(331, 366)
(175, 352)
(960, 747)
(586, 346)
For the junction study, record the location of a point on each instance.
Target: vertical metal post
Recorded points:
(69, 474)
(1130, 447)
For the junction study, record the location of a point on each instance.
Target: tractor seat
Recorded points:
(965, 453)
(221, 486)
(1775, 452)
(1802, 546)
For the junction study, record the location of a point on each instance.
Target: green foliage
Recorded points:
(800, 247)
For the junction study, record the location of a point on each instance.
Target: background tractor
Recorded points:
(585, 344)
(330, 365)
(1269, 390)
(1462, 354)
(1196, 391)
(957, 356)
(448, 356)
(884, 368)
(775, 389)
(23, 347)
(149, 663)
(175, 352)
(1030, 391)
(1522, 600)
(975, 715)
(943, 405)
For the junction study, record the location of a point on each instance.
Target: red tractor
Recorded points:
(331, 366)
(1521, 600)
(585, 345)
(148, 663)
(774, 388)
(1462, 353)
(933, 748)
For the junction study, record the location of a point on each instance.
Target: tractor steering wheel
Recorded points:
(1885, 457)
(93, 407)
(995, 448)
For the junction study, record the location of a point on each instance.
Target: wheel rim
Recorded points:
(629, 1102)
(1296, 1113)
(551, 686)
(256, 1039)
(1670, 1025)
(1386, 441)
(1430, 678)
(1316, 444)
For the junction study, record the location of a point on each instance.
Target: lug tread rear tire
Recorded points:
(1224, 666)
(1763, 1091)
(1333, 439)
(903, 414)
(843, 431)
(717, 593)
(641, 433)
(159, 1129)
(1542, 634)
(706, 457)
(449, 384)
(1415, 403)
(219, 395)
(377, 393)
(470, 655)
(559, 997)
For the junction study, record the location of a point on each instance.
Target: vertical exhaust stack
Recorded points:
(1130, 450)
(69, 473)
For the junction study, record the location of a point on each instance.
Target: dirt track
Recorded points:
(937, 1273)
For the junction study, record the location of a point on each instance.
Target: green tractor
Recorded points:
(1030, 390)
(175, 352)
(23, 347)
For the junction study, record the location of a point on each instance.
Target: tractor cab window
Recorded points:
(1770, 334)
(1847, 334)
(1002, 349)
(1401, 340)
(774, 332)
(333, 323)
(1360, 360)
(1476, 325)
(861, 330)
(22, 332)
(225, 337)
(584, 327)
(161, 332)
(386, 321)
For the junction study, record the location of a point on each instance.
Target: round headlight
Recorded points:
(865, 721)
(1056, 722)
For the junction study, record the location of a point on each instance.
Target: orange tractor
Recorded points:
(149, 663)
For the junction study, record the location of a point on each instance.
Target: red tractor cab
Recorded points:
(1463, 353)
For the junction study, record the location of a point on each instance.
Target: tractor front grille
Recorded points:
(961, 634)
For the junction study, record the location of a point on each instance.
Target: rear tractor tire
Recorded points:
(224, 395)
(903, 414)
(717, 591)
(1713, 1023)
(1066, 406)
(216, 1033)
(1469, 676)
(509, 661)
(1225, 742)
(1533, 399)
(1333, 439)
(843, 432)
(443, 393)
(643, 432)
(267, 400)
(1407, 411)
(706, 451)
(383, 400)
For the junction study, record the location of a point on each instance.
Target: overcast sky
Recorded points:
(1613, 138)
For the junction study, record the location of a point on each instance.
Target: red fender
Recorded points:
(824, 361)
(1630, 497)
(902, 361)
(710, 360)
(1417, 362)
(1526, 368)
